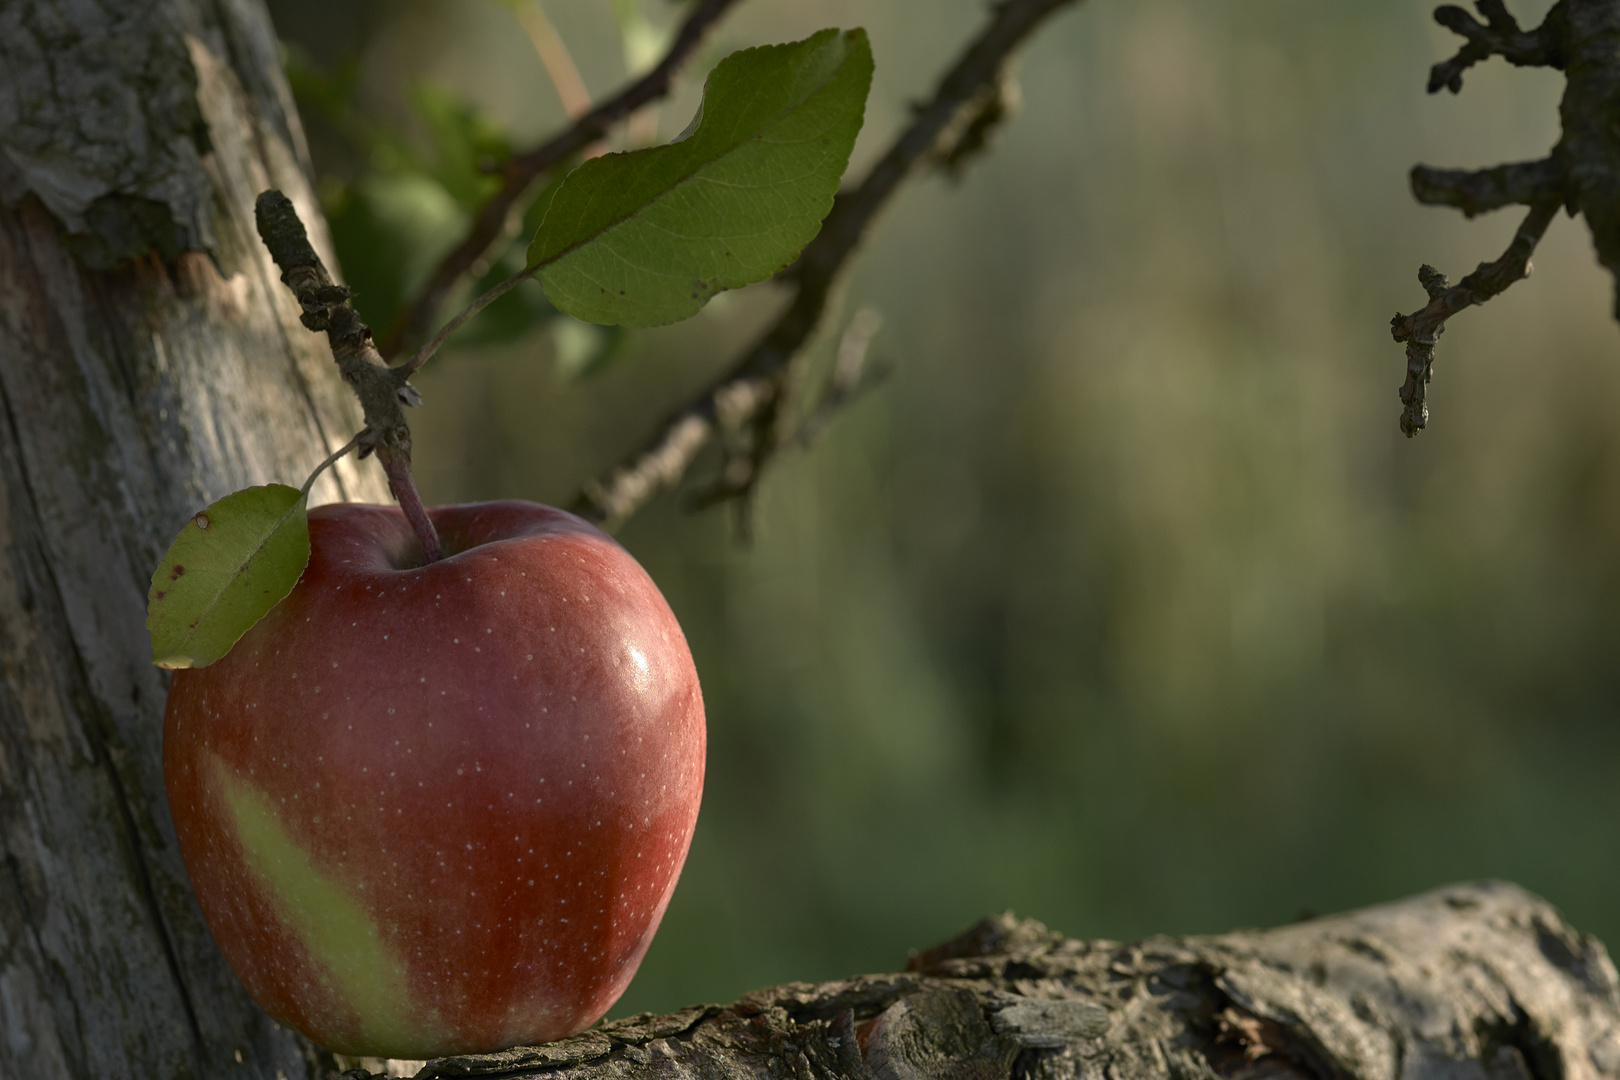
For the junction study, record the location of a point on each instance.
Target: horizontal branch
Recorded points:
(752, 389)
(1478, 981)
(1499, 35)
(522, 171)
(1474, 191)
(1421, 329)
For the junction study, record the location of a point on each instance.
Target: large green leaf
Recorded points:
(647, 237)
(230, 565)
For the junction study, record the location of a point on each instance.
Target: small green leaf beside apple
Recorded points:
(230, 565)
(433, 809)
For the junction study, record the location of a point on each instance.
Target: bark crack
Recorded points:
(92, 715)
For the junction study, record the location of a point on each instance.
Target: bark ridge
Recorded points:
(1471, 982)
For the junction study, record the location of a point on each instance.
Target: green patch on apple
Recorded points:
(340, 935)
(230, 565)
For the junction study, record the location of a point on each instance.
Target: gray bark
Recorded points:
(1472, 982)
(150, 362)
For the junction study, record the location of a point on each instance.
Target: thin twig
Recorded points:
(749, 412)
(751, 389)
(425, 353)
(1423, 327)
(332, 460)
(1474, 191)
(554, 56)
(1498, 35)
(522, 172)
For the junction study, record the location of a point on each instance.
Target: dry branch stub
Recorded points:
(383, 391)
(1581, 173)
(1471, 982)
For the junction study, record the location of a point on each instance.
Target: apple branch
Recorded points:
(1500, 36)
(1582, 173)
(1481, 980)
(521, 173)
(1474, 191)
(383, 391)
(1421, 329)
(744, 405)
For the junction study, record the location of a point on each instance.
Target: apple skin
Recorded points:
(440, 809)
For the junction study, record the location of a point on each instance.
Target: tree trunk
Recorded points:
(150, 362)
(1474, 982)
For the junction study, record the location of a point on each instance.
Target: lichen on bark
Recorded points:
(99, 117)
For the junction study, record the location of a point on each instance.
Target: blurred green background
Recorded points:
(1124, 603)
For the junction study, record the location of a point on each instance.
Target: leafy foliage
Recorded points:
(412, 197)
(230, 565)
(647, 237)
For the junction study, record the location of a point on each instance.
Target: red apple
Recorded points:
(440, 809)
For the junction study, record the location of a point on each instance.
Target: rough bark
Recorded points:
(1472, 982)
(150, 362)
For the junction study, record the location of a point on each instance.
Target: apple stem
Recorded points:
(383, 391)
(398, 468)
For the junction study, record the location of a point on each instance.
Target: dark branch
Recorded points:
(996, 105)
(750, 394)
(1499, 35)
(1476, 191)
(522, 172)
(1422, 328)
(851, 378)
(383, 391)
